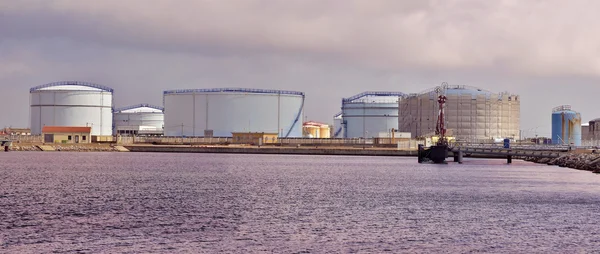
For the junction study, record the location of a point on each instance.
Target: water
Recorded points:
(207, 203)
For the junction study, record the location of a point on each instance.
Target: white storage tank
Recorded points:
(370, 113)
(219, 112)
(471, 114)
(72, 103)
(139, 119)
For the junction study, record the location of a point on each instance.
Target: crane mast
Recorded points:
(440, 127)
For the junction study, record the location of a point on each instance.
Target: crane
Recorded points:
(440, 127)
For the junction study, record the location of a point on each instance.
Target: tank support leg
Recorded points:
(420, 153)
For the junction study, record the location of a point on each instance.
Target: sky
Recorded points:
(548, 52)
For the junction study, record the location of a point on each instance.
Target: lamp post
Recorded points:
(90, 125)
(387, 126)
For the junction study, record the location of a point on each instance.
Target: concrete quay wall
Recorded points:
(271, 150)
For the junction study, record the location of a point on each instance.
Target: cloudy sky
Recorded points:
(546, 51)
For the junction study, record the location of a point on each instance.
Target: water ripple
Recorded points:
(195, 203)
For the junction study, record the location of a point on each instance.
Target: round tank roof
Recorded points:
(72, 86)
(232, 90)
(564, 109)
(466, 90)
(140, 108)
(463, 90)
(375, 97)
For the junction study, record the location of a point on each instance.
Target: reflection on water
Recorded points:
(144, 202)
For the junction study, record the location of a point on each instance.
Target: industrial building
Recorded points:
(471, 114)
(141, 119)
(368, 114)
(254, 138)
(221, 111)
(66, 135)
(72, 103)
(593, 132)
(566, 126)
(590, 133)
(585, 132)
(313, 129)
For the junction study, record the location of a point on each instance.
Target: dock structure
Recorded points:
(459, 152)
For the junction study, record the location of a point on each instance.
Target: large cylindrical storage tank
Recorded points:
(72, 103)
(566, 126)
(471, 114)
(139, 119)
(221, 111)
(370, 113)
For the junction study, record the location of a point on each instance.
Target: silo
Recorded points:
(139, 119)
(369, 114)
(316, 130)
(72, 103)
(471, 114)
(338, 126)
(219, 112)
(324, 131)
(566, 126)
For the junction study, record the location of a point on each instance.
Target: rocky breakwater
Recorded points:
(64, 148)
(24, 148)
(589, 162)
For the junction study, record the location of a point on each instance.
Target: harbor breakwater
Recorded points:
(273, 150)
(64, 148)
(580, 161)
(353, 151)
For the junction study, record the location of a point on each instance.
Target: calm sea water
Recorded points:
(215, 203)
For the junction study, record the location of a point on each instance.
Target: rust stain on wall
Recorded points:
(562, 125)
(573, 123)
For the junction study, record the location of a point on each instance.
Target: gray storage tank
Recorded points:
(369, 114)
(219, 112)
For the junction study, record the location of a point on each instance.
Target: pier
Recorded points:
(550, 152)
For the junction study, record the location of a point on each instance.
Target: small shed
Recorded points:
(254, 138)
(66, 134)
